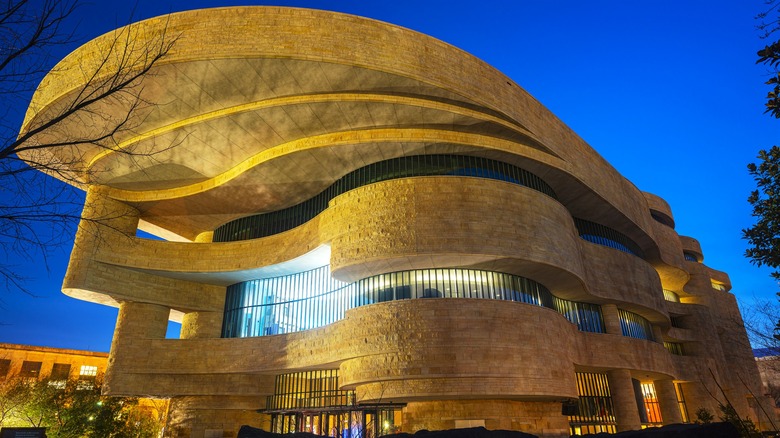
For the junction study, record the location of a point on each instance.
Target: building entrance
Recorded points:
(311, 401)
(351, 423)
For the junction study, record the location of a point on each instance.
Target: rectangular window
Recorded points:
(30, 370)
(87, 375)
(681, 403)
(671, 296)
(652, 408)
(60, 371)
(675, 348)
(88, 370)
(594, 406)
(677, 321)
(5, 367)
(718, 286)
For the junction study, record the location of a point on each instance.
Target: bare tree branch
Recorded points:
(37, 212)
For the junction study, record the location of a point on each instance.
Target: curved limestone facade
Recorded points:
(368, 230)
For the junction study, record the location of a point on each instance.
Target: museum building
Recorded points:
(367, 230)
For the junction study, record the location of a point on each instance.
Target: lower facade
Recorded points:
(426, 348)
(608, 402)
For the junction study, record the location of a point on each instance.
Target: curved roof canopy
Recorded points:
(255, 109)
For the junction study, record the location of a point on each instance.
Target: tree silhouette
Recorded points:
(37, 212)
(770, 55)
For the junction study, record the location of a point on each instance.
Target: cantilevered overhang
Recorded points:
(258, 108)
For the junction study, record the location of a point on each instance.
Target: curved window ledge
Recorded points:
(266, 224)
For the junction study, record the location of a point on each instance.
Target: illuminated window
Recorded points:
(718, 286)
(309, 389)
(671, 296)
(87, 376)
(30, 370)
(312, 299)
(595, 413)
(675, 348)
(88, 370)
(681, 403)
(311, 401)
(652, 408)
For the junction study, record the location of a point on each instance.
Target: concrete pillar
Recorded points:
(136, 324)
(611, 319)
(102, 214)
(192, 416)
(205, 237)
(105, 226)
(140, 321)
(201, 325)
(667, 399)
(623, 400)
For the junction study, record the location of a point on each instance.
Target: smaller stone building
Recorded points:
(50, 363)
(58, 365)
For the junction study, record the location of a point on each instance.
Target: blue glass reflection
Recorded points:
(313, 298)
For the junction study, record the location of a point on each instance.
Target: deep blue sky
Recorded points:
(667, 91)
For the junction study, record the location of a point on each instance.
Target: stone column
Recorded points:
(136, 324)
(105, 226)
(201, 325)
(667, 399)
(611, 319)
(623, 400)
(104, 218)
(205, 237)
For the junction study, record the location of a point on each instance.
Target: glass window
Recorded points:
(652, 408)
(671, 296)
(681, 403)
(30, 370)
(595, 413)
(60, 371)
(313, 298)
(718, 286)
(275, 222)
(635, 326)
(5, 367)
(605, 236)
(88, 371)
(87, 376)
(675, 348)
(662, 218)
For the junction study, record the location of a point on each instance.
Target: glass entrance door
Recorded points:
(339, 424)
